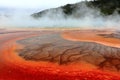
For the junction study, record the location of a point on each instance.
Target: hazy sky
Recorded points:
(42, 4)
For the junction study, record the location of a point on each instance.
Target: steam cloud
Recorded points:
(84, 17)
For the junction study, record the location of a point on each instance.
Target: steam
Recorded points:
(83, 17)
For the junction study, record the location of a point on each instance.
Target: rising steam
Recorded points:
(83, 17)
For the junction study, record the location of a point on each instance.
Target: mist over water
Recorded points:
(84, 17)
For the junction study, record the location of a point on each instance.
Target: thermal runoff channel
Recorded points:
(54, 55)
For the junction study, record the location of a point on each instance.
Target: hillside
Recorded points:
(106, 7)
(103, 7)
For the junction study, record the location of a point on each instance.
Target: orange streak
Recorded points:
(91, 36)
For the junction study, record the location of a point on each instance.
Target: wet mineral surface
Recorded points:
(54, 48)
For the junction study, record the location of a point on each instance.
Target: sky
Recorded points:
(42, 4)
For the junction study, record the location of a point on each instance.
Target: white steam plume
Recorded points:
(84, 17)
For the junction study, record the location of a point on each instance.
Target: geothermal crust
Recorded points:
(56, 49)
